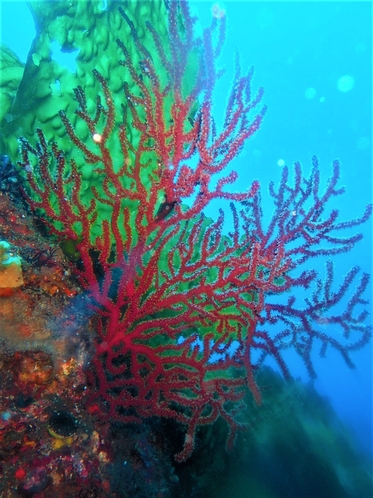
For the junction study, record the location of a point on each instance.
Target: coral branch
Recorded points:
(184, 314)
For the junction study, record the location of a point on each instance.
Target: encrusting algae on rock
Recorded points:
(37, 288)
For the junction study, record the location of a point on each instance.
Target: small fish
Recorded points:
(164, 210)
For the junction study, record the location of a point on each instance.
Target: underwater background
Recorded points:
(314, 60)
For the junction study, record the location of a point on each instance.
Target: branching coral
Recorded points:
(184, 314)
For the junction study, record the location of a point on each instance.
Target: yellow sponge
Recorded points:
(10, 267)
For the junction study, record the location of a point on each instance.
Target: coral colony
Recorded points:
(185, 315)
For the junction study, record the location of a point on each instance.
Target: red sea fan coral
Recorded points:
(184, 314)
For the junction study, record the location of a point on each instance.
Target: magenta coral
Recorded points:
(184, 314)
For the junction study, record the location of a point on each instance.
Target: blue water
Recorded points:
(303, 53)
(314, 61)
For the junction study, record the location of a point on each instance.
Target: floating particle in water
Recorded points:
(310, 93)
(345, 83)
(257, 153)
(218, 11)
(363, 143)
